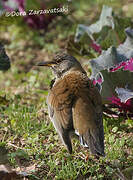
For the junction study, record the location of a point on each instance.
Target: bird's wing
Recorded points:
(60, 111)
(60, 104)
(87, 112)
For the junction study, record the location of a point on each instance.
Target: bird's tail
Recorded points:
(94, 139)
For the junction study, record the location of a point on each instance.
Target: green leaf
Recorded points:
(79, 49)
(115, 129)
(126, 49)
(124, 94)
(105, 19)
(112, 80)
(105, 61)
(107, 31)
(113, 55)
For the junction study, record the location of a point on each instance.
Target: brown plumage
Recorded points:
(75, 105)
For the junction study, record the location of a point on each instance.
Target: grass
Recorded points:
(31, 139)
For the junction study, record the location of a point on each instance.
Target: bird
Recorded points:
(75, 104)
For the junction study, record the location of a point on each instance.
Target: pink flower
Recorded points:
(122, 106)
(126, 65)
(99, 81)
(34, 21)
(20, 5)
(129, 65)
(96, 47)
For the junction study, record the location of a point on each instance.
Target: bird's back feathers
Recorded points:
(76, 105)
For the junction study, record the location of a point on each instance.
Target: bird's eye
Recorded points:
(58, 61)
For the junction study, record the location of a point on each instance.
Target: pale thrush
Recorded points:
(75, 104)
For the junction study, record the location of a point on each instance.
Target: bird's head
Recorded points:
(62, 63)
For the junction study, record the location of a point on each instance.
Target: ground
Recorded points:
(26, 131)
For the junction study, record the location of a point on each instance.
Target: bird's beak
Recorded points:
(46, 63)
